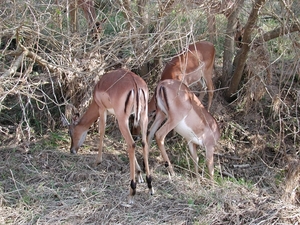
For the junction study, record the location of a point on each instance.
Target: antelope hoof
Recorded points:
(171, 174)
(98, 161)
(132, 192)
(169, 168)
(149, 182)
(140, 178)
(152, 192)
(171, 171)
(130, 200)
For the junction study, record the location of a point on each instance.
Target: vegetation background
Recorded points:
(52, 53)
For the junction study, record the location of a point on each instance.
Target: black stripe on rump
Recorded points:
(127, 100)
(164, 96)
(137, 102)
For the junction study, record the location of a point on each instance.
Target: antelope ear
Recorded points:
(75, 119)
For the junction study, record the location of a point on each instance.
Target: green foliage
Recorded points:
(238, 181)
(124, 158)
(280, 48)
(57, 139)
(280, 177)
(229, 132)
(114, 24)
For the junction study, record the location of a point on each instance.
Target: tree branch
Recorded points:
(52, 68)
(16, 65)
(280, 31)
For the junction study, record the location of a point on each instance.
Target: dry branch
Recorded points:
(165, 8)
(127, 12)
(16, 65)
(280, 31)
(27, 53)
(225, 7)
(52, 68)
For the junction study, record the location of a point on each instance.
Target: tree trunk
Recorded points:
(73, 16)
(211, 26)
(229, 44)
(241, 61)
(143, 20)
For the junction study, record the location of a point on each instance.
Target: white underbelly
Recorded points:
(111, 111)
(188, 133)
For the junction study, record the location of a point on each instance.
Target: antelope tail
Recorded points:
(138, 103)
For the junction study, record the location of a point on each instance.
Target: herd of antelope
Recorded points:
(123, 93)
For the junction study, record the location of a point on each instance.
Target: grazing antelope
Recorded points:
(188, 117)
(121, 93)
(88, 7)
(191, 66)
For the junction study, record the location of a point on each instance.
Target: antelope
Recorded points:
(188, 117)
(190, 67)
(122, 93)
(88, 7)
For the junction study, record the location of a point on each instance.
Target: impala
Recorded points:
(121, 93)
(191, 66)
(188, 117)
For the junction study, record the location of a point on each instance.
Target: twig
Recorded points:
(241, 166)
(227, 174)
(17, 189)
(15, 65)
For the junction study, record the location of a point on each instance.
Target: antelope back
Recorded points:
(192, 64)
(111, 92)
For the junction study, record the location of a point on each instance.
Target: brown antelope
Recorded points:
(88, 7)
(188, 117)
(191, 66)
(121, 93)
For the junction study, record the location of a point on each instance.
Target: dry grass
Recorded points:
(47, 185)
